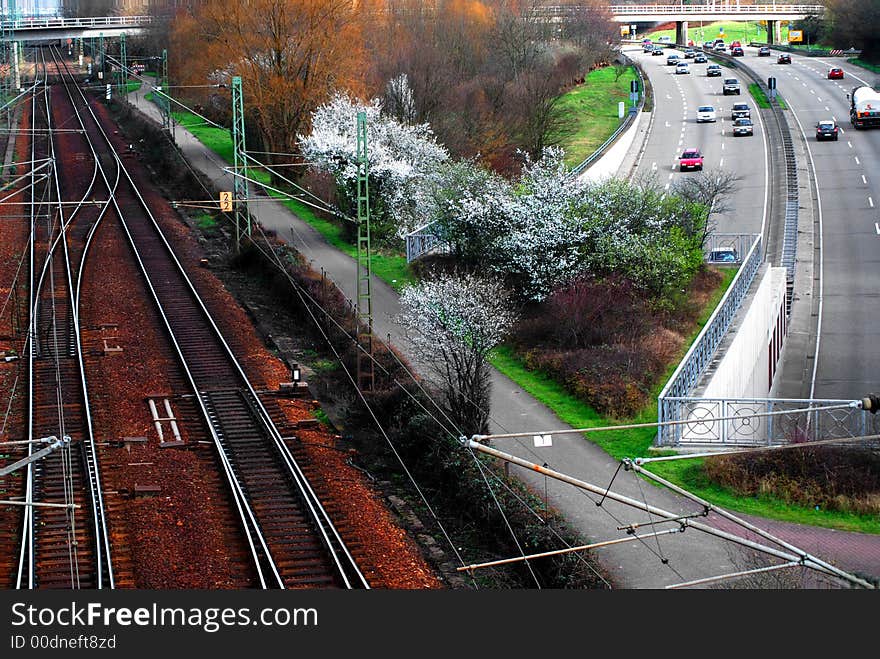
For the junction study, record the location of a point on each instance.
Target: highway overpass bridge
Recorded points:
(709, 11)
(43, 28)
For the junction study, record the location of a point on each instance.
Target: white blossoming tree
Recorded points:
(454, 321)
(399, 155)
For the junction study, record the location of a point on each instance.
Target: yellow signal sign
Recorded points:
(624, 30)
(225, 201)
(795, 35)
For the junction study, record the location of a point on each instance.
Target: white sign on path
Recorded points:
(542, 441)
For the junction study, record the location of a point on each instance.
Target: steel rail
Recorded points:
(246, 514)
(346, 567)
(102, 541)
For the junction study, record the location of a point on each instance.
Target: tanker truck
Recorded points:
(865, 109)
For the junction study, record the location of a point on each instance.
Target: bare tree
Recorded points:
(709, 192)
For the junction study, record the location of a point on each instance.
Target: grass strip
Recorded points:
(761, 98)
(390, 267)
(591, 112)
(864, 64)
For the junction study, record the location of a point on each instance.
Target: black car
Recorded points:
(764, 51)
(784, 58)
(826, 130)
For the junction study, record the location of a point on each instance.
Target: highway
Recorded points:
(847, 184)
(843, 177)
(676, 99)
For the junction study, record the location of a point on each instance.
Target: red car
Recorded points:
(690, 159)
(835, 74)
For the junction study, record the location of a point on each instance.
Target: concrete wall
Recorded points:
(747, 366)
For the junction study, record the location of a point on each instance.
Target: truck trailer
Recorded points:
(865, 107)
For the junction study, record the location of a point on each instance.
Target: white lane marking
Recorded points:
(857, 160)
(722, 146)
(870, 202)
(670, 177)
(796, 78)
(819, 98)
(666, 187)
(849, 144)
(812, 92)
(667, 123)
(673, 169)
(827, 109)
(864, 180)
(842, 132)
(653, 166)
(721, 163)
(804, 84)
(877, 227)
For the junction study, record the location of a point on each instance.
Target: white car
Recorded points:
(706, 113)
(682, 67)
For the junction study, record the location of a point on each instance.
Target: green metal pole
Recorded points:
(366, 371)
(123, 74)
(240, 184)
(164, 103)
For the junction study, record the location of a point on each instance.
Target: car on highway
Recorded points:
(699, 58)
(740, 111)
(731, 86)
(720, 47)
(690, 159)
(784, 58)
(764, 51)
(709, 45)
(743, 127)
(735, 44)
(648, 47)
(690, 53)
(835, 73)
(737, 51)
(672, 60)
(706, 113)
(723, 255)
(826, 129)
(713, 70)
(658, 50)
(682, 67)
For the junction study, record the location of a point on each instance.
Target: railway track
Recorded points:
(64, 546)
(292, 539)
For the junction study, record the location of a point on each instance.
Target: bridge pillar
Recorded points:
(681, 32)
(772, 32)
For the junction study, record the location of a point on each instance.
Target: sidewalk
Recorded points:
(688, 556)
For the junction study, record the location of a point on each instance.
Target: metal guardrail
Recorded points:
(717, 8)
(42, 23)
(719, 245)
(700, 355)
(422, 241)
(792, 422)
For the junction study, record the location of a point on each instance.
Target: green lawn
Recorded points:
(637, 442)
(390, 268)
(865, 65)
(592, 110)
(732, 31)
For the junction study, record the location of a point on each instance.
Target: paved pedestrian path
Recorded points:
(650, 564)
